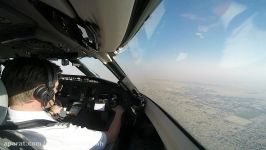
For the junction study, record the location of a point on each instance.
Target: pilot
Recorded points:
(30, 84)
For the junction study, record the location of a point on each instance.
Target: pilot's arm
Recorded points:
(114, 128)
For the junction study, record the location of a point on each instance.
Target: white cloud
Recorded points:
(200, 35)
(202, 28)
(135, 50)
(181, 56)
(154, 20)
(245, 46)
(232, 11)
(192, 17)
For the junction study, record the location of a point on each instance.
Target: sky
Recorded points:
(212, 41)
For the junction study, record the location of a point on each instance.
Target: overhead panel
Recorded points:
(111, 16)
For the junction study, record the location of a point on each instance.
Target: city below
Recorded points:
(218, 117)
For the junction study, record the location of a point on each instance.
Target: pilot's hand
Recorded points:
(56, 109)
(118, 109)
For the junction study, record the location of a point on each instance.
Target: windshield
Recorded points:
(68, 69)
(204, 63)
(98, 68)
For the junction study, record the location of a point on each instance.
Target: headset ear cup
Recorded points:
(50, 95)
(42, 93)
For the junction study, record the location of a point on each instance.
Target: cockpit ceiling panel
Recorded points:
(61, 23)
(111, 18)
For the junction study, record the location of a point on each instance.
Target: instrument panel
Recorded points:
(91, 93)
(89, 98)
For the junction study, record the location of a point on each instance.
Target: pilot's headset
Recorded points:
(44, 93)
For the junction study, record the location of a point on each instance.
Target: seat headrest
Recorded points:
(3, 102)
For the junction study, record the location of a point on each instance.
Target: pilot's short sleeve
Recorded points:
(69, 137)
(102, 142)
(95, 140)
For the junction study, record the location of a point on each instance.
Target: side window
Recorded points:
(99, 69)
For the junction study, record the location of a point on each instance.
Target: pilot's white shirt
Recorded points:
(57, 137)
